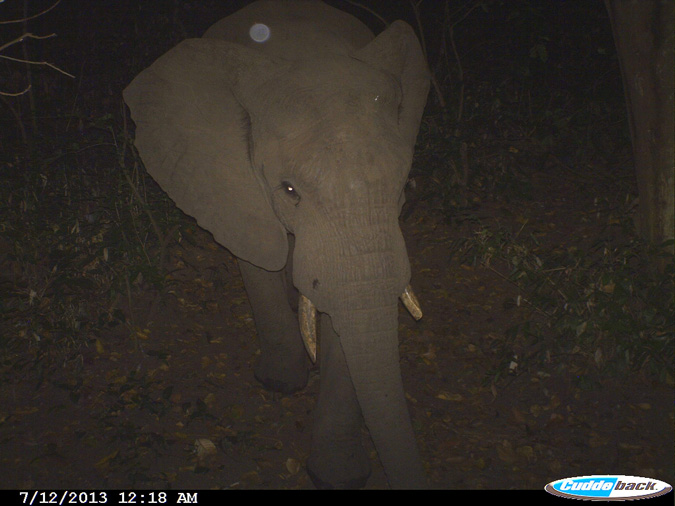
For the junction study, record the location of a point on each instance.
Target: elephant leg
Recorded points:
(337, 458)
(284, 364)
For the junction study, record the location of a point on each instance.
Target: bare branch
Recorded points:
(356, 4)
(11, 21)
(460, 70)
(37, 63)
(25, 36)
(434, 81)
(416, 11)
(7, 94)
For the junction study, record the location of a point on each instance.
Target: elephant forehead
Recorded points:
(352, 156)
(334, 90)
(373, 185)
(361, 174)
(337, 71)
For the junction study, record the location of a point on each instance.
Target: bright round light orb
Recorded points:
(259, 32)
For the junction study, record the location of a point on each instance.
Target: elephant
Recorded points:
(287, 131)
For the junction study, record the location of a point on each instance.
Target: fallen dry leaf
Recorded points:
(293, 466)
(204, 447)
(447, 396)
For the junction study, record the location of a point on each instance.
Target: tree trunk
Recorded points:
(644, 36)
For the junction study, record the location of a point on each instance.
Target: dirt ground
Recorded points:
(177, 407)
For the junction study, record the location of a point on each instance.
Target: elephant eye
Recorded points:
(289, 190)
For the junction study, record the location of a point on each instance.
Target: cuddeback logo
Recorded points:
(608, 487)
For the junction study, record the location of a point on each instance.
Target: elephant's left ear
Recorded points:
(397, 51)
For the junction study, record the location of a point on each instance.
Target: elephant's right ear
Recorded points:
(193, 137)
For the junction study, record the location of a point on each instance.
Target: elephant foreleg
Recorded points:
(283, 365)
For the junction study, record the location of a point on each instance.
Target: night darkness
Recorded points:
(127, 344)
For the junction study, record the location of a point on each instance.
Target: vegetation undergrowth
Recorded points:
(597, 305)
(81, 234)
(602, 309)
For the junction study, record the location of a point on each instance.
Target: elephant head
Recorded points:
(311, 134)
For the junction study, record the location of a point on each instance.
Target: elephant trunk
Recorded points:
(369, 338)
(359, 287)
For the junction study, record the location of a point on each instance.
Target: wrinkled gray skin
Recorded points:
(293, 153)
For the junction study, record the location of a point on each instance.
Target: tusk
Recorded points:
(411, 303)
(307, 317)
